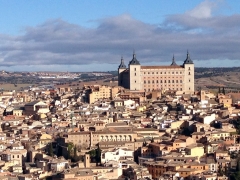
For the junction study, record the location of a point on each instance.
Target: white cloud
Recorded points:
(64, 45)
(203, 10)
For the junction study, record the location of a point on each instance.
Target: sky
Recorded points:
(93, 35)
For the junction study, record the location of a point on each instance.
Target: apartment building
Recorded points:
(97, 92)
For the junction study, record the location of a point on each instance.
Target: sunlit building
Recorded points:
(148, 78)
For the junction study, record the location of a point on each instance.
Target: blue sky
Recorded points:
(71, 35)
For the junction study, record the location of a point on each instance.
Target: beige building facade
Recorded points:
(102, 92)
(149, 78)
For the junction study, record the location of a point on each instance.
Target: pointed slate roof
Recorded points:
(134, 60)
(188, 59)
(173, 62)
(122, 65)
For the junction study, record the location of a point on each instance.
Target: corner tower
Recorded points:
(189, 74)
(134, 74)
(122, 67)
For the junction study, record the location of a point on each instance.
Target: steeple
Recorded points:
(188, 59)
(122, 65)
(173, 61)
(134, 60)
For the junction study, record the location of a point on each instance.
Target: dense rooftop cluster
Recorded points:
(103, 132)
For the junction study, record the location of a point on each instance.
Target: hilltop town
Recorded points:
(107, 132)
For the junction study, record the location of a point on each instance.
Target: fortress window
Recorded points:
(176, 81)
(189, 80)
(189, 73)
(169, 81)
(189, 68)
(156, 72)
(148, 82)
(135, 74)
(172, 81)
(153, 81)
(135, 69)
(176, 72)
(165, 81)
(152, 72)
(161, 81)
(157, 81)
(144, 82)
(173, 72)
(180, 81)
(189, 88)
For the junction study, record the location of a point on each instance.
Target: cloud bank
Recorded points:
(57, 42)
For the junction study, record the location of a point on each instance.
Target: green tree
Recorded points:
(236, 124)
(98, 155)
(220, 171)
(70, 150)
(75, 156)
(50, 149)
(92, 153)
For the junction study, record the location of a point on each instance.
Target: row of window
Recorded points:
(173, 72)
(189, 73)
(177, 89)
(163, 81)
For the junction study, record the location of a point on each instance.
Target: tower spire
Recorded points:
(173, 61)
(134, 54)
(122, 65)
(188, 59)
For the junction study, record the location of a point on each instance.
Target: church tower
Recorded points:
(122, 67)
(135, 74)
(189, 74)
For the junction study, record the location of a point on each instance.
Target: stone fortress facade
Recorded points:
(149, 78)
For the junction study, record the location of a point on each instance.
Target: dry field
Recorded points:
(229, 80)
(10, 87)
